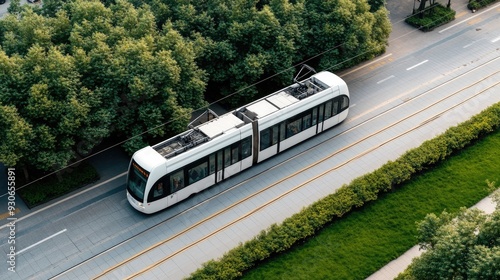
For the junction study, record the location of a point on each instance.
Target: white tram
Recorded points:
(164, 174)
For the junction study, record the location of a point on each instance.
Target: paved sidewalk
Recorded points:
(402, 38)
(108, 164)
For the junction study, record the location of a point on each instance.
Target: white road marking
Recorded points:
(468, 45)
(495, 40)
(40, 242)
(474, 42)
(418, 64)
(388, 78)
(467, 19)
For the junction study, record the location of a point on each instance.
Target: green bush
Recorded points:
(477, 4)
(53, 187)
(434, 16)
(474, 5)
(306, 223)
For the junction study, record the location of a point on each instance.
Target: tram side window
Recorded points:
(314, 116)
(275, 134)
(345, 103)
(197, 172)
(328, 110)
(306, 121)
(159, 190)
(301, 122)
(321, 113)
(219, 160)
(227, 156)
(177, 180)
(235, 153)
(282, 131)
(269, 137)
(335, 107)
(246, 147)
(211, 161)
(265, 139)
(293, 127)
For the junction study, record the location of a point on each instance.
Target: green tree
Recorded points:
(16, 135)
(14, 7)
(243, 41)
(127, 69)
(462, 247)
(375, 5)
(345, 31)
(151, 73)
(80, 71)
(51, 7)
(240, 42)
(21, 32)
(61, 111)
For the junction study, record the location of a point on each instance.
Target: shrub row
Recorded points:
(306, 223)
(53, 186)
(434, 16)
(477, 4)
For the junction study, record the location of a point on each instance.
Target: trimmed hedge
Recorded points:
(306, 223)
(53, 187)
(477, 4)
(434, 16)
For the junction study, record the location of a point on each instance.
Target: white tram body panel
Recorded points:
(286, 112)
(161, 175)
(277, 110)
(163, 159)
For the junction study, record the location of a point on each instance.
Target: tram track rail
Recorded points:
(291, 176)
(305, 183)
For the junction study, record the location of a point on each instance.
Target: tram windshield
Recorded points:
(137, 178)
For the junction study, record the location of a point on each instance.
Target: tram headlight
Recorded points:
(134, 202)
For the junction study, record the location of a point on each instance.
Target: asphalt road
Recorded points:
(65, 233)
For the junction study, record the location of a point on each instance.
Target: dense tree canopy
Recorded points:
(243, 41)
(72, 79)
(463, 247)
(76, 71)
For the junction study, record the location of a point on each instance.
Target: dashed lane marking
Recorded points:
(388, 78)
(41, 241)
(416, 65)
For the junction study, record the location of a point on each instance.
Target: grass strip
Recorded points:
(369, 237)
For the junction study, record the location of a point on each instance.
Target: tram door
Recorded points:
(219, 170)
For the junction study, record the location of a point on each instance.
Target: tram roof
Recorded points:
(201, 134)
(220, 125)
(271, 104)
(258, 109)
(285, 97)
